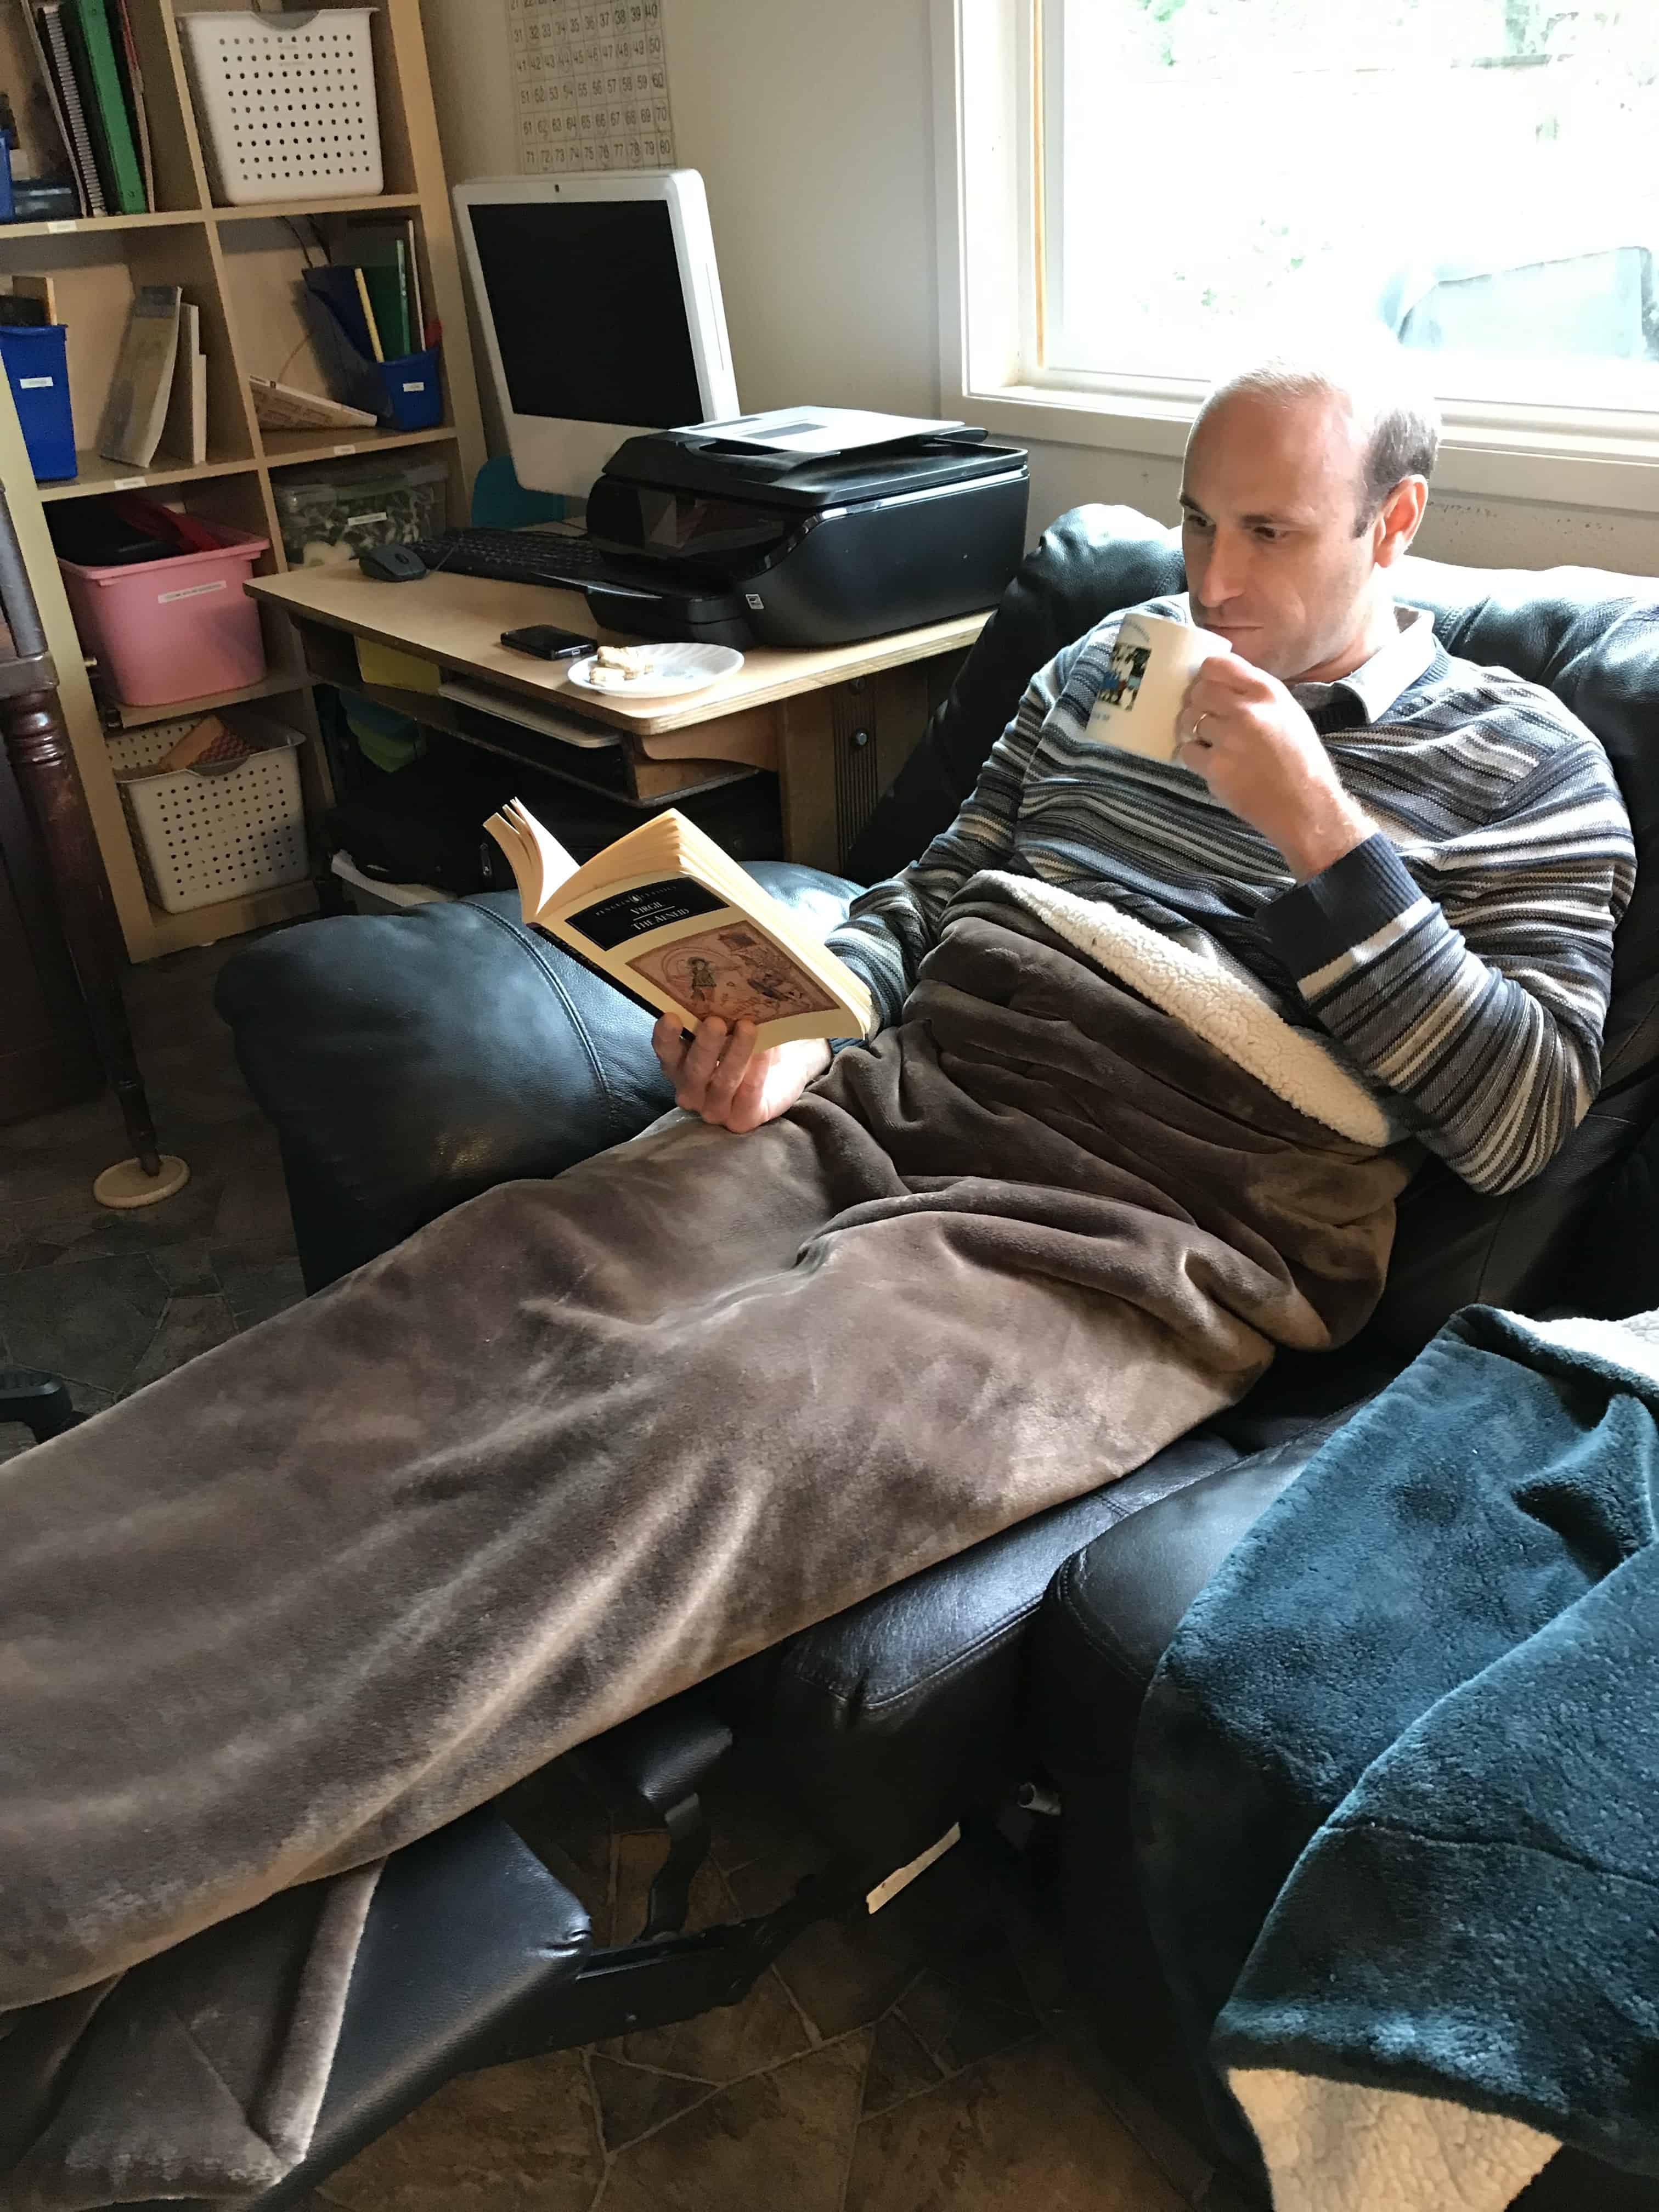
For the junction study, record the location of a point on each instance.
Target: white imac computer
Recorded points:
(600, 305)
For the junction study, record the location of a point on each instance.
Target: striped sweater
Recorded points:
(1460, 959)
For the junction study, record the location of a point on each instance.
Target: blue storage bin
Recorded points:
(407, 392)
(414, 390)
(36, 365)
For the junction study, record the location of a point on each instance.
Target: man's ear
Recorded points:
(1398, 518)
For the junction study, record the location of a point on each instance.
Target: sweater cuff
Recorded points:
(1345, 916)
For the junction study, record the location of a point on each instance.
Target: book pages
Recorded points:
(184, 435)
(675, 923)
(284, 407)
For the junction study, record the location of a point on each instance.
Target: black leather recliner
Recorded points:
(408, 1062)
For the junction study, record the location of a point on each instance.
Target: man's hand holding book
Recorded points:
(717, 1073)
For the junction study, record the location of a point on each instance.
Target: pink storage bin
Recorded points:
(173, 628)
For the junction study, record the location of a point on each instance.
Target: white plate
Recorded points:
(679, 669)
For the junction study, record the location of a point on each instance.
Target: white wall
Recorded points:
(811, 123)
(466, 56)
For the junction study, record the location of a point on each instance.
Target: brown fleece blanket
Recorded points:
(570, 1448)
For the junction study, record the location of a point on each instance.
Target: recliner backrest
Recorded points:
(1590, 636)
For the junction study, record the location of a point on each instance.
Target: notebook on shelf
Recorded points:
(51, 134)
(384, 252)
(135, 413)
(93, 43)
(184, 433)
(132, 80)
(55, 41)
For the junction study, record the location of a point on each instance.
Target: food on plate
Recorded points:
(614, 665)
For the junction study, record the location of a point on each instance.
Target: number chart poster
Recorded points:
(590, 85)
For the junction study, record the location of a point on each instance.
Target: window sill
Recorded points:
(1603, 469)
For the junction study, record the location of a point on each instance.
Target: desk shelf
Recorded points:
(239, 266)
(618, 771)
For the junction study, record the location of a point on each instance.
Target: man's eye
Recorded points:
(1268, 537)
(1197, 522)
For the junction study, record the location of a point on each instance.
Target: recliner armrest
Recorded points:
(410, 1061)
(1111, 1610)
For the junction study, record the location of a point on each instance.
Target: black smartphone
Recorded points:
(548, 643)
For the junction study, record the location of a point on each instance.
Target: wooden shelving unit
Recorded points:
(240, 266)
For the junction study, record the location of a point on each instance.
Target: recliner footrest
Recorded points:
(467, 1929)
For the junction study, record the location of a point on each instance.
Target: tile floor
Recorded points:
(924, 2060)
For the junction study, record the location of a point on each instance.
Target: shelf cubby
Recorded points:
(239, 266)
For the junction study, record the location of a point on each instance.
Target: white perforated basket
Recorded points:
(286, 102)
(201, 837)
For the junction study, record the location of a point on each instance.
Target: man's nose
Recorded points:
(1226, 566)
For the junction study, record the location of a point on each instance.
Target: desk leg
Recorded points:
(842, 746)
(806, 776)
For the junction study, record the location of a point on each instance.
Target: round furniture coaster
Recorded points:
(126, 1185)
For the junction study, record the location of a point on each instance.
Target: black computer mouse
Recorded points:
(391, 564)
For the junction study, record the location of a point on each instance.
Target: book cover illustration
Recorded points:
(733, 972)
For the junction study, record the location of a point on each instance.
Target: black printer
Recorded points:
(802, 528)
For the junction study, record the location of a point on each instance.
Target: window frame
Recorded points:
(992, 179)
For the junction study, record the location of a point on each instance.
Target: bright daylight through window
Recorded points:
(1479, 176)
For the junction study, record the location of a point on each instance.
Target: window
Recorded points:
(1141, 189)
(1477, 175)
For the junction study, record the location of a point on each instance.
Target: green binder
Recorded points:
(390, 304)
(93, 45)
(381, 251)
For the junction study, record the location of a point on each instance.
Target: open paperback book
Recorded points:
(664, 915)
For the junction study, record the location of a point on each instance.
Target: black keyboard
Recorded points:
(517, 556)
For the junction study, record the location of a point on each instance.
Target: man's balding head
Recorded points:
(1394, 419)
(1304, 483)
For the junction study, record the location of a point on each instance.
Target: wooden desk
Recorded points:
(835, 724)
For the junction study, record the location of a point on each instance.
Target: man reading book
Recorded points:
(1155, 1044)
(1422, 859)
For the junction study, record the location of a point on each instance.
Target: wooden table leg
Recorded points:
(842, 747)
(38, 747)
(807, 775)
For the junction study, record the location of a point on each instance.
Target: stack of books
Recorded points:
(89, 66)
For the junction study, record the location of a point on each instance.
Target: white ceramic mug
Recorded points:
(1153, 660)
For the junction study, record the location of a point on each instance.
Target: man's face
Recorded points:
(1269, 501)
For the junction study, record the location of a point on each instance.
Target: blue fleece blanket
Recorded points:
(1398, 1776)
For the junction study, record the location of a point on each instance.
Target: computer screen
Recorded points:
(601, 312)
(603, 337)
